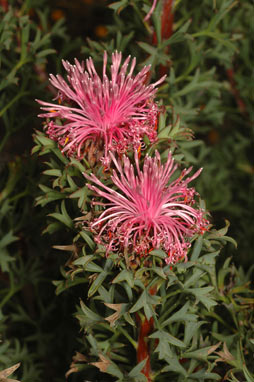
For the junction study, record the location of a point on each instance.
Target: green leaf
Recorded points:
(124, 275)
(165, 336)
(163, 347)
(63, 217)
(118, 6)
(248, 375)
(203, 374)
(174, 365)
(148, 48)
(201, 353)
(191, 328)
(81, 194)
(181, 315)
(84, 260)
(146, 301)
(78, 165)
(202, 295)
(92, 316)
(136, 372)
(177, 36)
(87, 239)
(45, 52)
(62, 285)
(226, 6)
(159, 253)
(53, 172)
(192, 280)
(46, 141)
(197, 248)
(97, 283)
(7, 239)
(92, 267)
(220, 37)
(5, 259)
(159, 271)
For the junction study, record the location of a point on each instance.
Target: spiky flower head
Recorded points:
(148, 209)
(113, 113)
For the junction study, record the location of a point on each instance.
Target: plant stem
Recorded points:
(145, 328)
(15, 99)
(167, 18)
(125, 333)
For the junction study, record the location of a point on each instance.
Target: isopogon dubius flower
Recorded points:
(113, 113)
(147, 209)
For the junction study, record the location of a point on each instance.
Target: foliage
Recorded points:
(192, 297)
(202, 314)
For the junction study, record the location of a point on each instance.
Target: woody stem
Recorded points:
(143, 351)
(145, 329)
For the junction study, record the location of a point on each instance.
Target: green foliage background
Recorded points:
(37, 326)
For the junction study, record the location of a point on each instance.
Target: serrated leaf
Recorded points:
(89, 313)
(136, 371)
(174, 365)
(124, 275)
(181, 315)
(191, 329)
(146, 301)
(165, 336)
(191, 281)
(5, 259)
(202, 353)
(202, 295)
(62, 218)
(7, 239)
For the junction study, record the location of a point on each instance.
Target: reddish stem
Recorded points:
(235, 91)
(145, 329)
(167, 18)
(4, 5)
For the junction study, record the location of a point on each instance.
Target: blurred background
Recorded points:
(205, 52)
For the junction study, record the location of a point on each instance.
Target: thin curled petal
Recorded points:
(114, 111)
(147, 209)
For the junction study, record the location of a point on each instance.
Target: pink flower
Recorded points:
(148, 209)
(116, 113)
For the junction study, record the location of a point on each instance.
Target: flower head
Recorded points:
(115, 112)
(148, 209)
